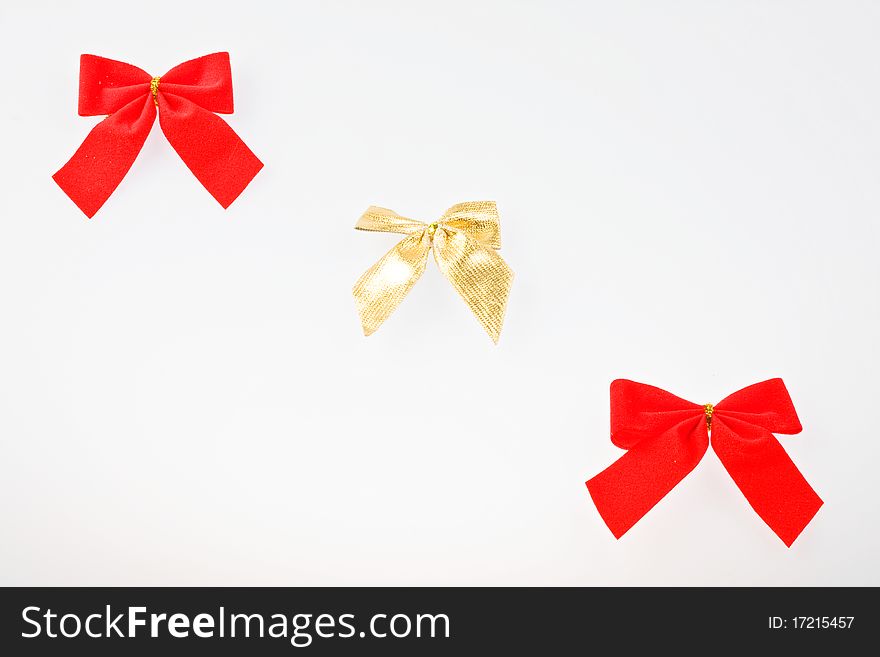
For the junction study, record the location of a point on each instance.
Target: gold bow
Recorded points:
(464, 241)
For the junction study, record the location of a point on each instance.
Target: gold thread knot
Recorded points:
(432, 228)
(709, 410)
(154, 89)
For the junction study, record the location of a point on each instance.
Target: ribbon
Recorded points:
(185, 99)
(463, 240)
(667, 436)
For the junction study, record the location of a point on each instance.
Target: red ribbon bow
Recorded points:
(666, 437)
(185, 98)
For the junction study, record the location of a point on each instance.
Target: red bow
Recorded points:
(186, 98)
(666, 437)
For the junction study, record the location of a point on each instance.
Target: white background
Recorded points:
(689, 198)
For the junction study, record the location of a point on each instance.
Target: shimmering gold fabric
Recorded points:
(463, 240)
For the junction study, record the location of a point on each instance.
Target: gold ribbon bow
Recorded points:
(464, 241)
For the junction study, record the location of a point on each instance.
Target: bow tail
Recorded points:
(632, 485)
(766, 475)
(384, 285)
(479, 275)
(217, 156)
(106, 155)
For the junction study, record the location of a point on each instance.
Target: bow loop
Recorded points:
(383, 220)
(767, 405)
(206, 81)
(640, 411)
(476, 219)
(106, 85)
